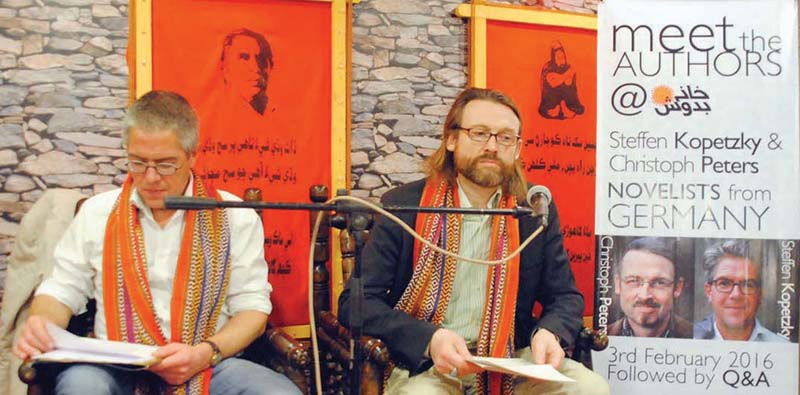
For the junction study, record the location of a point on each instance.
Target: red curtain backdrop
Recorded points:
(282, 147)
(559, 146)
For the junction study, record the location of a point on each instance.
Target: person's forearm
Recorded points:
(239, 332)
(52, 309)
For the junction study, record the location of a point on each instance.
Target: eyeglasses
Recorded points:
(482, 135)
(725, 285)
(162, 168)
(656, 283)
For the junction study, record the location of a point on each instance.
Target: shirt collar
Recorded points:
(465, 203)
(758, 333)
(137, 201)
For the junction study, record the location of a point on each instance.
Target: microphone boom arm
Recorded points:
(194, 203)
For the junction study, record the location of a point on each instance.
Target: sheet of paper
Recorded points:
(72, 348)
(522, 367)
(69, 356)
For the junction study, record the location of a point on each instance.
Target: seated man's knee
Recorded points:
(590, 383)
(428, 382)
(90, 379)
(239, 376)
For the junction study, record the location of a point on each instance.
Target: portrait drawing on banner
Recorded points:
(246, 62)
(559, 99)
(558, 149)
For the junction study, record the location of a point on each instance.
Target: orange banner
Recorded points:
(259, 75)
(550, 73)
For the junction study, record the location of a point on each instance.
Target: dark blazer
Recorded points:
(545, 277)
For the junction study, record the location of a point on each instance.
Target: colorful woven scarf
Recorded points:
(199, 288)
(428, 293)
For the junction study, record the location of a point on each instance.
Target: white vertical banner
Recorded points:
(698, 155)
(698, 119)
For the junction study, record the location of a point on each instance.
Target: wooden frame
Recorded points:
(141, 81)
(478, 12)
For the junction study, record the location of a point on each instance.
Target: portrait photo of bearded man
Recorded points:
(647, 283)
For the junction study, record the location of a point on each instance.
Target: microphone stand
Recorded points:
(358, 224)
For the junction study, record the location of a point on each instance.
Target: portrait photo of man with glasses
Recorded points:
(648, 284)
(733, 283)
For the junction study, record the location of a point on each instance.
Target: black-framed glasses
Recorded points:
(726, 285)
(162, 168)
(656, 283)
(481, 135)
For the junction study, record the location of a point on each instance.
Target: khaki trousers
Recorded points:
(432, 382)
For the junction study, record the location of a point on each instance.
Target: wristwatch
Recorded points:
(216, 355)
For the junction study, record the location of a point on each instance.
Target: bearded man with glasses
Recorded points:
(733, 288)
(647, 284)
(193, 283)
(433, 312)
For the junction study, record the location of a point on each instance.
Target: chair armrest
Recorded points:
(592, 339)
(338, 336)
(587, 341)
(282, 353)
(38, 376)
(288, 348)
(27, 372)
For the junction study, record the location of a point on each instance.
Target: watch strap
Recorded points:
(217, 353)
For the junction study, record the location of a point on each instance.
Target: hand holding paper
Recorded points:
(71, 348)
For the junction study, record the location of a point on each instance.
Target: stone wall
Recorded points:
(63, 88)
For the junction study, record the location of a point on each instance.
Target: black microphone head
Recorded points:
(538, 191)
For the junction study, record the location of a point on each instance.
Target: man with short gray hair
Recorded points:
(193, 283)
(733, 287)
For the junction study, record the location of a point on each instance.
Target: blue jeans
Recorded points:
(233, 376)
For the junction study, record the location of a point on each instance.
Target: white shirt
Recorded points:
(77, 273)
(759, 334)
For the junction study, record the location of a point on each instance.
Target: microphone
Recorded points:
(539, 198)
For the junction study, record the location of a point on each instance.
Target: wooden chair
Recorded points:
(334, 338)
(274, 349)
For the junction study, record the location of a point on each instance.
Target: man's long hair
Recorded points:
(442, 164)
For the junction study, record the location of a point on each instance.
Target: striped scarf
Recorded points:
(428, 293)
(199, 287)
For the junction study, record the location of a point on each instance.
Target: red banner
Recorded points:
(259, 75)
(550, 74)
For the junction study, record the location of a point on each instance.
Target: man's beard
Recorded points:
(651, 303)
(487, 177)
